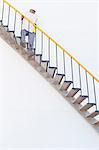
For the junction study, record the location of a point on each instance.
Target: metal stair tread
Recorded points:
(58, 78)
(5, 25)
(38, 54)
(65, 85)
(87, 106)
(18, 37)
(45, 61)
(95, 122)
(51, 70)
(73, 92)
(68, 81)
(10, 31)
(52, 67)
(76, 88)
(80, 99)
(59, 74)
(93, 114)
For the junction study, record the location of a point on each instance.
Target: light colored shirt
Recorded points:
(28, 26)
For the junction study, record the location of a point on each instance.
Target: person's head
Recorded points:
(32, 11)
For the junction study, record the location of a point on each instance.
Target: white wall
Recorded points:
(74, 24)
(35, 116)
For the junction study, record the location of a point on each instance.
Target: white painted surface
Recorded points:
(33, 115)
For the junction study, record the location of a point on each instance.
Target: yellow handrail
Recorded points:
(64, 50)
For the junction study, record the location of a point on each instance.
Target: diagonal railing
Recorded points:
(53, 53)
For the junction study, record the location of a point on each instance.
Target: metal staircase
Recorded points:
(71, 79)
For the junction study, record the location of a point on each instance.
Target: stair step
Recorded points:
(40, 69)
(45, 61)
(30, 56)
(0, 23)
(44, 64)
(23, 53)
(5, 26)
(80, 99)
(58, 78)
(96, 122)
(51, 71)
(10, 31)
(19, 37)
(93, 114)
(87, 106)
(38, 58)
(73, 92)
(65, 85)
(38, 54)
(46, 75)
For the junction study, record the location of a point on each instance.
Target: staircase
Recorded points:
(73, 81)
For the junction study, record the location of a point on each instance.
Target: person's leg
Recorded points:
(31, 41)
(23, 34)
